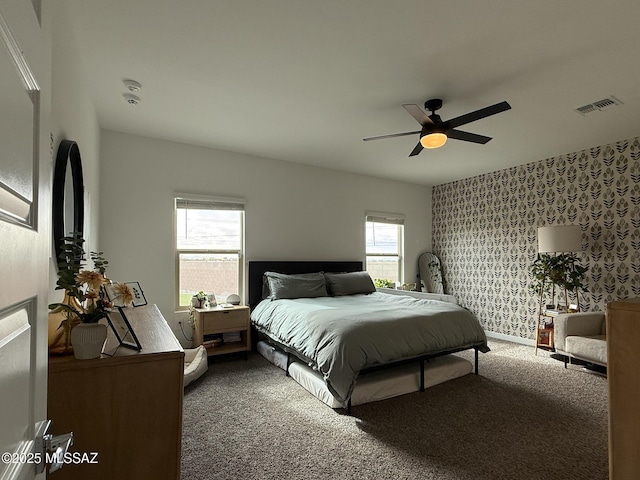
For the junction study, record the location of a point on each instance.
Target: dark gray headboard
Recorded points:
(257, 269)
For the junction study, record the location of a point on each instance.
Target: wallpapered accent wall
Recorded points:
(485, 231)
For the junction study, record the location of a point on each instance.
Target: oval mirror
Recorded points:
(67, 194)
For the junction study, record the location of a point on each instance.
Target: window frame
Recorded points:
(389, 219)
(222, 203)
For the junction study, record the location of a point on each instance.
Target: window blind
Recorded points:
(212, 204)
(395, 219)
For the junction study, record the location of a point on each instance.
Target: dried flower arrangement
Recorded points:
(85, 286)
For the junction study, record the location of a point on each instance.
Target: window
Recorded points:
(384, 245)
(209, 248)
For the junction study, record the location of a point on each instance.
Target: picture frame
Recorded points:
(122, 329)
(139, 299)
(112, 294)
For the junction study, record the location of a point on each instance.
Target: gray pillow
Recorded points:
(306, 285)
(351, 283)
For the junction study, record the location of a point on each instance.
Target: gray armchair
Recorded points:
(582, 336)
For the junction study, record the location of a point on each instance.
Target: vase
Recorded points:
(88, 339)
(60, 324)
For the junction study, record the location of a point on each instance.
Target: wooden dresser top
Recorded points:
(152, 331)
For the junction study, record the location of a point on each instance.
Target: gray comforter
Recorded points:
(340, 336)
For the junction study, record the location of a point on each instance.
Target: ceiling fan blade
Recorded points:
(392, 135)
(416, 150)
(478, 114)
(467, 137)
(416, 112)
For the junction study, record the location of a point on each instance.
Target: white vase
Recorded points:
(88, 339)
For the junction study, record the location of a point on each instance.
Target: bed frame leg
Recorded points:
(286, 370)
(349, 406)
(422, 374)
(476, 360)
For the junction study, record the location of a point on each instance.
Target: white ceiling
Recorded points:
(306, 80)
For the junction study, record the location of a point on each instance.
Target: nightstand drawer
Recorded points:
(225, 319)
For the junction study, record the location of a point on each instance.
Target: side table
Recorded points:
(215, 322)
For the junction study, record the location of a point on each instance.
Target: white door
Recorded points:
(25, 223)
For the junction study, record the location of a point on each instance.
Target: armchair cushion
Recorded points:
(591, 349)
(582, 335)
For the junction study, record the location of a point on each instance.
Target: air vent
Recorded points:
(598, 106)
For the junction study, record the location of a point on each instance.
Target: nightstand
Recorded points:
(216, 323)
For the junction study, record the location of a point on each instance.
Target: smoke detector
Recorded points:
(131, 99)
(132, 85)
(599, 105)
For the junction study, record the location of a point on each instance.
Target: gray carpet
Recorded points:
(524, 417)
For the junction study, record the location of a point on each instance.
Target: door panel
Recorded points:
(15, 342)
(18, 130)
(24, 234)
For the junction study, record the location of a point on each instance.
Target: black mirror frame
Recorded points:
(68, 153)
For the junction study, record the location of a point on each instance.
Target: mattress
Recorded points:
(375, 386)
(345, 335)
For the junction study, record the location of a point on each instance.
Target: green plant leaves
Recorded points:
(562, 270)
(70, 262)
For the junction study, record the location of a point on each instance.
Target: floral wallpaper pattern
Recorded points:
(485, 231)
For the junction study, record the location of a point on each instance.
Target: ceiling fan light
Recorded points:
(433, 140)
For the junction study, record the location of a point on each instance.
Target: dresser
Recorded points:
(126, 407)
(623, 350)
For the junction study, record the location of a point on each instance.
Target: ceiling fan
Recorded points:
(435, 132)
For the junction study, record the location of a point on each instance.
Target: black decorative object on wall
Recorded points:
(67, 194)
(485, 231)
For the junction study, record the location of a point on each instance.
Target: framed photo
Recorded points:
(112, 295)
(138, 296)
(122, 329)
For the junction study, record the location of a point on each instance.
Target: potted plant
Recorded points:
(85, 302)
(383, 283)
(199, 299)
(563, 271)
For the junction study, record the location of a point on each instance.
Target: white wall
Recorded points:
(293, 211)
(73, 117)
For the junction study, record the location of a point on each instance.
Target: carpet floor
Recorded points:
(523, 417)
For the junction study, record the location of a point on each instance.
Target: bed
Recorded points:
(330, 316)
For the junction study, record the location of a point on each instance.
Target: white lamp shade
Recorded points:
(560, 238)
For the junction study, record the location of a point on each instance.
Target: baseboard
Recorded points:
(511, 338)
